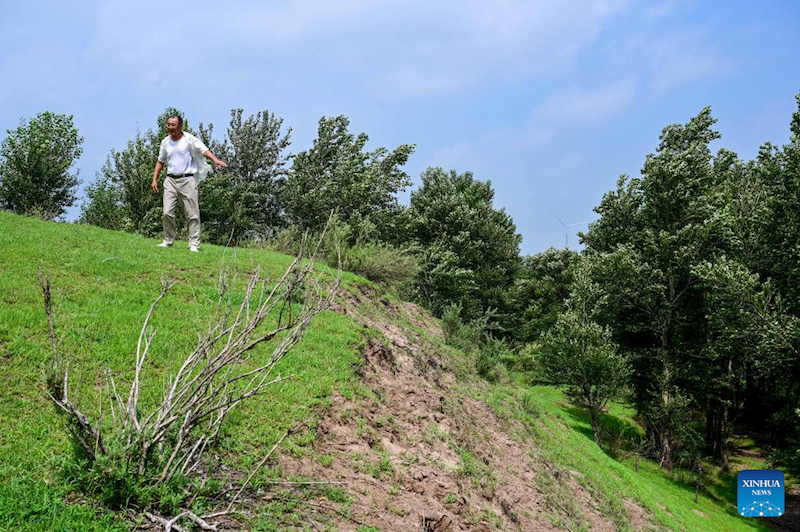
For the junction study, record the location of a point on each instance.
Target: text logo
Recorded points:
(761, 493)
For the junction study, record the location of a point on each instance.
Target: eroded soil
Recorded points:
(419, 455)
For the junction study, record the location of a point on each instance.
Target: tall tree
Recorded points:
(652, 231)
(470, 250)
(540, 291)
(699, 262)
(35, 163)
(245, 197)
(337, 173)
(773, 211)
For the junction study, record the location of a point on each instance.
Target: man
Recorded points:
(184, 154)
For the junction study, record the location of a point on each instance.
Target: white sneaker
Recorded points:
(194, 249)
(165, 244)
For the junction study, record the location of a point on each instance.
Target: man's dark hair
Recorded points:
(179, 117)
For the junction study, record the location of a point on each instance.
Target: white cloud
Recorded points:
(478, 43)
(684, 57)
(661, 9)
(395, 49)
(577, 105)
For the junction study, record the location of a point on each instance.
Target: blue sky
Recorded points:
(550, 100)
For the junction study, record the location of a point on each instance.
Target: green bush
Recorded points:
(354, 246)
(493, 357)
(381, 263)
(286, 240)
(103, 205)
(113, 478)
(466, 337)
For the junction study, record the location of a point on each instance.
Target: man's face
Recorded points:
(173, 126)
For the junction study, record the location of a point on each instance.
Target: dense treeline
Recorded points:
(450, 245)
(685, 301)
(694, 270)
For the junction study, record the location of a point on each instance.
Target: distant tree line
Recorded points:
(685, 301)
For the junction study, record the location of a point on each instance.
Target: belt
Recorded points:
(180, 175)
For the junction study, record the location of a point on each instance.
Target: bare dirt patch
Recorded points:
(416, 455)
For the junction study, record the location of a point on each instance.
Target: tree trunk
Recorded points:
(724, 430)
(594, 417)
(666, 451)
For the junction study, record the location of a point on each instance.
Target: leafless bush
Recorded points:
(170, 440)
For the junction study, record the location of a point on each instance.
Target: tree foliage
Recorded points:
(244, 199)
(540, 291)
(578, 353)
(337, 173)
(35, 163)
(697, 261)
(469, 249)
(104, 208)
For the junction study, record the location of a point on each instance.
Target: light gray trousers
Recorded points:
(183, 189)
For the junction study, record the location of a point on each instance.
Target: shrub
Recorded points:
(145, 460)
(493, 357)
(103, 205)
(381, 263)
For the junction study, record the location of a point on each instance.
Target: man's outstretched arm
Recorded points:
(214, 159)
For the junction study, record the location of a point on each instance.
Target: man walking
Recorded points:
(184, 154)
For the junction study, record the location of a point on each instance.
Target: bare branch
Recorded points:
(44, 282)
(260, 464)
(226, 367)
(168, 524)
(199, 521)
(133, 396)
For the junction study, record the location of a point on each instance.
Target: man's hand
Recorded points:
(214, 159)
(154, 186)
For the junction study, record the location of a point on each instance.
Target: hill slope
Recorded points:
(400, 428)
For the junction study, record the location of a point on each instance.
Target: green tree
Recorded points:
(337, 173)
(760, 208)
(103, 207)
(652, 231)
(540, 291)
(245, 197)
(470, 250)
(35, 163)
(128, 171)
(779, 171)
(578, 353)
(736, 302)
(698, 260)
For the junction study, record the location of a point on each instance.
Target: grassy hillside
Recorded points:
(103, 284)
(568, 464)
(564, 439)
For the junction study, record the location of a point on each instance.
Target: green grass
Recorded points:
(564, 439)
(103, 284)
